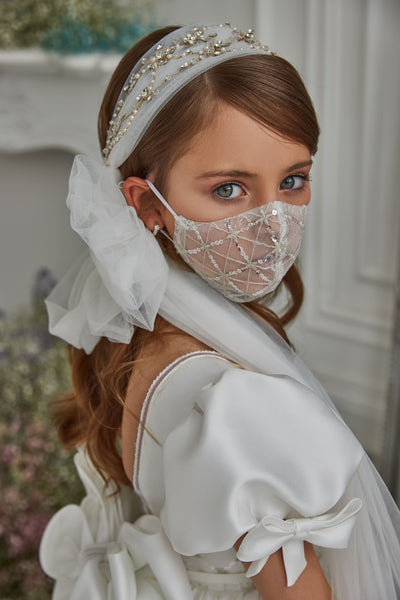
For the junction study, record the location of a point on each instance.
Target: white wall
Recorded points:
(34, 221)
(181, 12)
(349, 54)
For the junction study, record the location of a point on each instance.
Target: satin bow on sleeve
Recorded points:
(271, 533)
(93, 553)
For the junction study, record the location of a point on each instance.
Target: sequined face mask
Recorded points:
(243, 257)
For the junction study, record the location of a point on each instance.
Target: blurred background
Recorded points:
(56, 57)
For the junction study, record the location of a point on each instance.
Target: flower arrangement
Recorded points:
(37, 477)
(74, 26)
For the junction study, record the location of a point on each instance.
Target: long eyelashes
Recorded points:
(230, 191)
(225, 191)
(287, 184)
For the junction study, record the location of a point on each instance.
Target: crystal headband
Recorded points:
(168, 66)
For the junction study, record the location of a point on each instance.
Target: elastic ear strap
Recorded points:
(161, 198)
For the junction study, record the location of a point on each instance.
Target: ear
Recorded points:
(138, 195)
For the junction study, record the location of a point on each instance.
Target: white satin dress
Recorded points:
(222, 452)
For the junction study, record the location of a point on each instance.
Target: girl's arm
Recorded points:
(311, 585)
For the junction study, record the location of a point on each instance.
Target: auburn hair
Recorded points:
(268, 89)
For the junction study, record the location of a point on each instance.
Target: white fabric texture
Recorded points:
(370, 566)
(251, 468)
(96, 550)
(123, 281)
(103, 550)
(102, 547)
(245, 470)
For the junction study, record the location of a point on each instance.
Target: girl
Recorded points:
(248, 484)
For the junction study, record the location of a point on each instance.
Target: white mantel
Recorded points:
(48, 101)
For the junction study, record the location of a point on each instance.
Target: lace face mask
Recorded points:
(246, 256)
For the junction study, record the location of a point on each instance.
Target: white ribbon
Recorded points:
(271, 533)
(122, 283)
(93, 552)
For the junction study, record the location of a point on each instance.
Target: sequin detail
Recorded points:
(243, 257)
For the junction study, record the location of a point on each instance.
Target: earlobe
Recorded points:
(140, 197)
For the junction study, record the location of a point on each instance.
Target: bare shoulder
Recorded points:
(149, 364)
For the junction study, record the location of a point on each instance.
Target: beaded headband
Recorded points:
(168, 66)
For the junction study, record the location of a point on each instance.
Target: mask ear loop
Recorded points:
(161, 198)
(165, 203)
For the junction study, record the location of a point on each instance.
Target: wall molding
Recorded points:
(51, 102)
(348, 55)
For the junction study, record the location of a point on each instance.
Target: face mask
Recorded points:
(243, 257)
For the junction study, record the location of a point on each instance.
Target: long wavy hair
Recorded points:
(268, 89)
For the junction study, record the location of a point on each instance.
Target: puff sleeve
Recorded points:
(264, 457)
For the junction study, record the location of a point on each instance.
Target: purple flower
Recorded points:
(36, 443)
(16, 544)
(14, 427)
(43, 284)
(32, 525)
(9, 453)
(24, 534)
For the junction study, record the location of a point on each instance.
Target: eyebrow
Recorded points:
(299, 165)
(247, 174)
(226, 173)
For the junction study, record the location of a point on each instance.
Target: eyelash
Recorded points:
(304, 177)
(225, 183)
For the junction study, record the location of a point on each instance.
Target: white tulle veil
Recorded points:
(124, 281)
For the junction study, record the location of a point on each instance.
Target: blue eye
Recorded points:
(294, 182)
(228, 191)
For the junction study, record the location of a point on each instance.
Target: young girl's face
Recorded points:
(234, 165)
